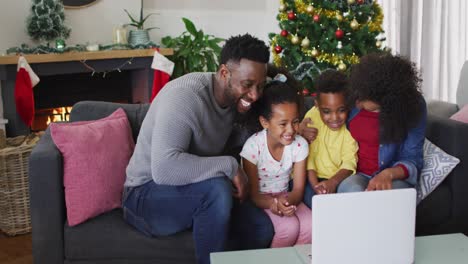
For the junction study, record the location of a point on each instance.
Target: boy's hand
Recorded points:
(306, 131)
(328, 186)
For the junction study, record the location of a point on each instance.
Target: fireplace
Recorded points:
(112, 76)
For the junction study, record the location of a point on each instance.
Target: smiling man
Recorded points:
(177, 178)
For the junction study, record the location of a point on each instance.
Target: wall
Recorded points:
(94, 24)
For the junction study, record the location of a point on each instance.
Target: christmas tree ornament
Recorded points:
(295, 40)
(60, 44)
(339, 33)
(378, 44)
(284, 33)
(316, 18)
(342, 66)
(305, 92)
(360, 2)
(305, 43)
(278, 49)
(354, 24)
(339, 17)
(282, 8)
(351, 2)
(339, 45)
(291, 15)
(314, 53)
(310, 9)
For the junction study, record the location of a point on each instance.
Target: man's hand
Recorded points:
(381, 181)
(306, 131)
(240, 184)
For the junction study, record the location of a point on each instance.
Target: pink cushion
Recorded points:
(462, 115)
(95, 156)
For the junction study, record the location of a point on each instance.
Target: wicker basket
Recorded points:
(14, 183)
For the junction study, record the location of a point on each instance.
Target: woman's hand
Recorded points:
(307, 132)
(381, 181)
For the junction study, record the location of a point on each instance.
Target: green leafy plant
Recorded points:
(139, 24)
(194, 51)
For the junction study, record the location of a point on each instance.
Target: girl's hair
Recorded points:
(275, 92)
(392, 82)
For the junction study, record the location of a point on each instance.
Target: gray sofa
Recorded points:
(446, 209)
(108, 239)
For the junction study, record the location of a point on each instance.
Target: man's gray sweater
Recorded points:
(183, 135)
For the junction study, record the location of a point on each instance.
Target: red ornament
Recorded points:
(305, 92)
(291, 15)
(278, 49)
(284, 33)
(360, 2)
(316, 18)
(339, 33)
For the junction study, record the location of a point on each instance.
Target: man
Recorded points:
(177, 178)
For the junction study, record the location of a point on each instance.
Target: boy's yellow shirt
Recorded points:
(331, 150)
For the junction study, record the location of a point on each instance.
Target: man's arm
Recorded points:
(175, 122)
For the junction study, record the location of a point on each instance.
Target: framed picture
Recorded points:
(78, 3)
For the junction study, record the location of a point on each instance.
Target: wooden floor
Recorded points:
(16, 249)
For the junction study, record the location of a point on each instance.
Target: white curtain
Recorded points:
(433, 34)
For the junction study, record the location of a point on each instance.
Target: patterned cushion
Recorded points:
(437, 165)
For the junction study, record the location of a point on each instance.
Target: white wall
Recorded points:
(94, 24)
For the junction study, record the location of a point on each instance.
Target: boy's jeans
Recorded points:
(161, 210)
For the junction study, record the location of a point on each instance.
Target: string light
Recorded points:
(104, 73)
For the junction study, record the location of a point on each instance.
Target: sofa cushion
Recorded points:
(462, 115)
(108, 236)
(437, 166)
(95, 155)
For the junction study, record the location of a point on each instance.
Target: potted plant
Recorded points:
(140, 35)
(194, 51)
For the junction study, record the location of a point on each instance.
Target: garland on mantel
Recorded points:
(47, 49)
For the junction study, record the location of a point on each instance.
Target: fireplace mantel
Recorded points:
(80, 56)
(54, 66)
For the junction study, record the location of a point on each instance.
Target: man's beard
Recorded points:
(229, 94)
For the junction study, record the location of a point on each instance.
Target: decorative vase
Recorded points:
(138, 37)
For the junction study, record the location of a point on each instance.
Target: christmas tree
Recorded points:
(46, 21)
(321, 34)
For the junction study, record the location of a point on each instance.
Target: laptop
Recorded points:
(364, 227)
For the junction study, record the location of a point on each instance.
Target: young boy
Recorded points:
(332, 155)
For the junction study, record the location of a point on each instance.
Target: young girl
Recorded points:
(268, 158)
(332, 155)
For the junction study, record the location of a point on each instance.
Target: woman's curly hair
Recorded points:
(393, 82)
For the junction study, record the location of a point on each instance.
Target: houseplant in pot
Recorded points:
(194, 51)
(139, 35)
